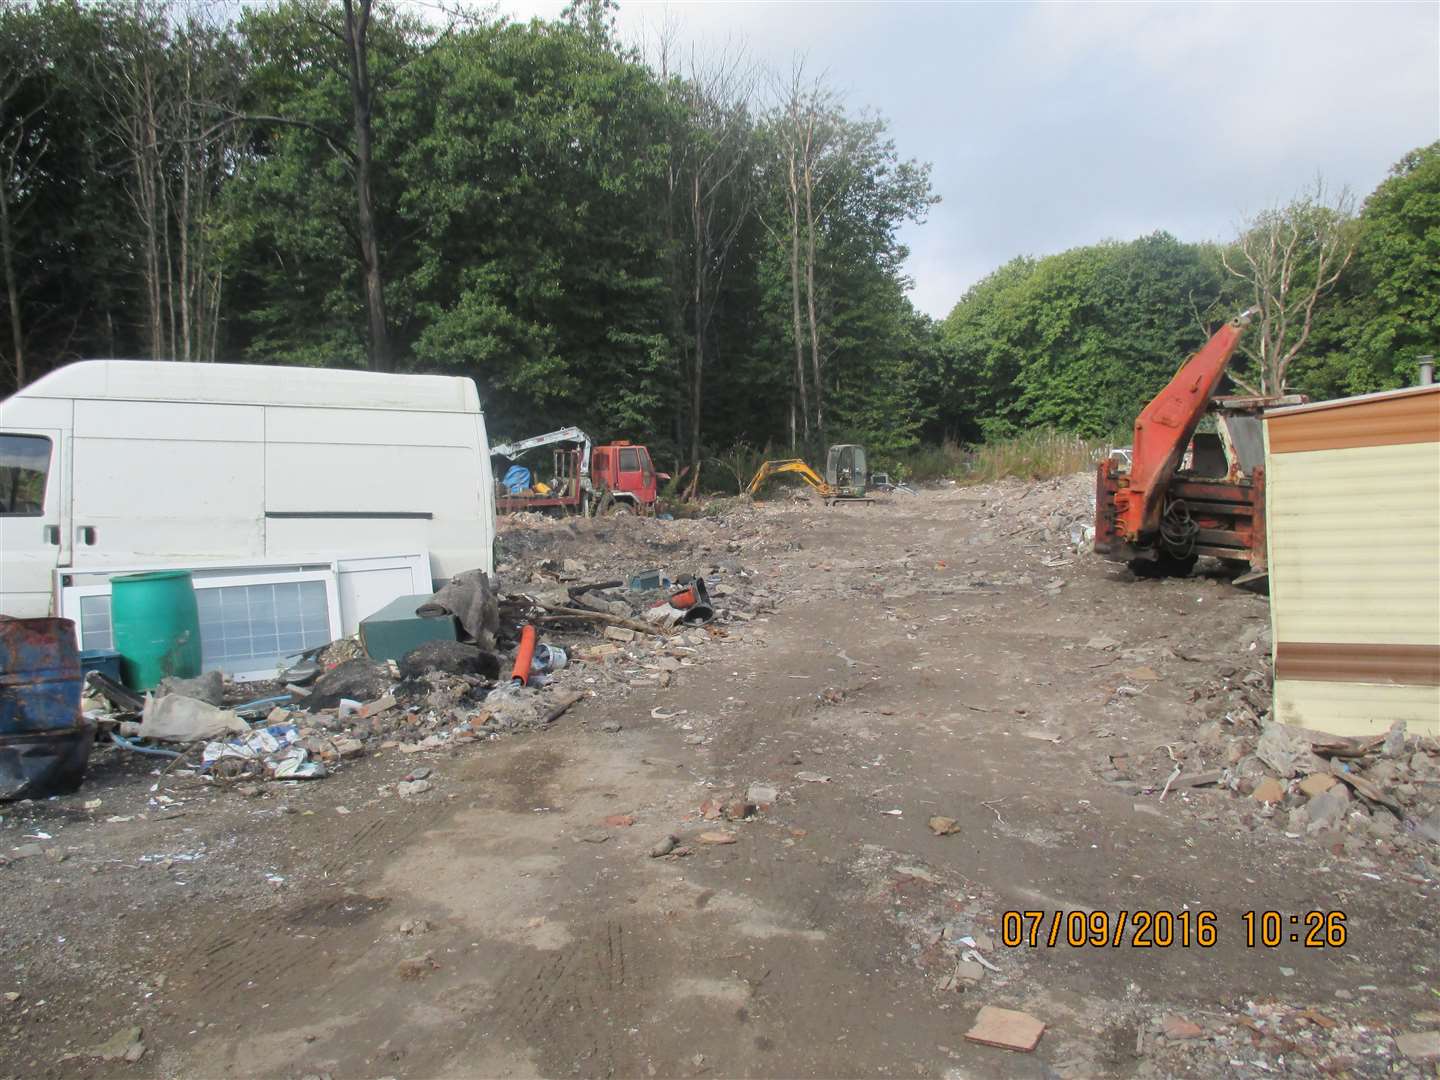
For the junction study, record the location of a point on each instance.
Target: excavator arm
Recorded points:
(1162, 432)
(789, 465)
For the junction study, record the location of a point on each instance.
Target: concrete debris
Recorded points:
(1422, 1046)
(1286, 751)
(943, 826)
(1327, 810)
(124, 1045)
(762, 795)
(209, 688)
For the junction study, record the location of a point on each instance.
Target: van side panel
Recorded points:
(169, 464)
(486, 496)
(373, 480)
(167, 482)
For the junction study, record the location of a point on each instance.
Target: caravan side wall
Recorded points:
(1354, 532)
(283, 466)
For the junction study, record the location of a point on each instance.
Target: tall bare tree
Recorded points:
(792, 129)
(157, 80)
(356, 37)
(20, 155)
(1287, 259)
(712, 191)
(842, 184)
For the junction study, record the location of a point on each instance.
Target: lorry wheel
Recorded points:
(1163, 565)
(620, 508)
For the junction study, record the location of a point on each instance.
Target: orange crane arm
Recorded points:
(1164, 428)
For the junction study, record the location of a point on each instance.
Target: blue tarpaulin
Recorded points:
(517, 479)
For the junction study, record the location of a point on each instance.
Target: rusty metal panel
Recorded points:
(39, 675)
(45, 741)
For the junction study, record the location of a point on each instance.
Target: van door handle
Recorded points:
(87, 534)
(52, 534)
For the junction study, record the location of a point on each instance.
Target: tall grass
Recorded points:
(1041, 454)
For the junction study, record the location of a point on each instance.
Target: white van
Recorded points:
(137, 463)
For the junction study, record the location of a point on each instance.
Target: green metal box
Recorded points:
(395, 629)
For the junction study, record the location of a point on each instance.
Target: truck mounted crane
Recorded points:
(1161, 517)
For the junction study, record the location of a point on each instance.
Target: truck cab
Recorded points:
(626, 472)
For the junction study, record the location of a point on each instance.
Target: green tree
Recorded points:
(531, 194)
(68, 278)
(311, 223)
(1079, 340)
(1387, 310)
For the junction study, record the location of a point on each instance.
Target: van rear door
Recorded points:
(34, 519)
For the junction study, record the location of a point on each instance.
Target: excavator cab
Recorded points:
(844, 479)
(845, 470)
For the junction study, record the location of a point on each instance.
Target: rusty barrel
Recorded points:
(44, 740)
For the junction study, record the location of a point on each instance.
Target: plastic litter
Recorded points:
(270, 749)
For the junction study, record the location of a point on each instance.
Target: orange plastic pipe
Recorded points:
(524, 657)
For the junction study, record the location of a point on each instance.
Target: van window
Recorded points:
(24, 466)
(629, 459)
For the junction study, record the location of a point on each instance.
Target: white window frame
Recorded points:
(73, 582)
(214, 578)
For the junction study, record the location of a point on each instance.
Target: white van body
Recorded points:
(152, 463)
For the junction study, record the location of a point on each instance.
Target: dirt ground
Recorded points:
(926, 656)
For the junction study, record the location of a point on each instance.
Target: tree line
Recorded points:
(671, 247)
(1345, 300)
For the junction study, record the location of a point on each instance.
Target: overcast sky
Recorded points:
(1052, 125)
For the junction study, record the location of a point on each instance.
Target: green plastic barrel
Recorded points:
(156, 626)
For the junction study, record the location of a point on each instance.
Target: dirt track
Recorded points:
(923, 665)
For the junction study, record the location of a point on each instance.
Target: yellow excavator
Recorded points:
(844, 479)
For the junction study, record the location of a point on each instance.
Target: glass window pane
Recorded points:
(255, 627)
(95, 623)
(24, 465)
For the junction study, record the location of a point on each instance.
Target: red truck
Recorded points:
(618, 477)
